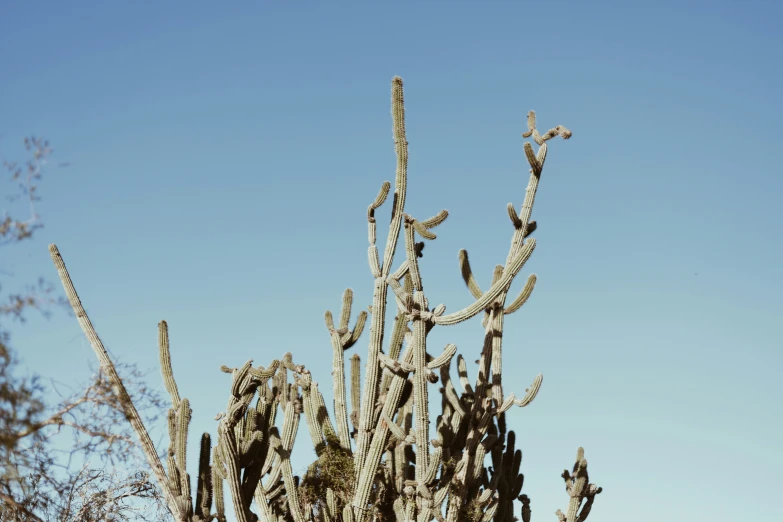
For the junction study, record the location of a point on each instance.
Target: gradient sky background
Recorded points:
(223, 157)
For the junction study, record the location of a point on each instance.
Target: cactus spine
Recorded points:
(387, 467)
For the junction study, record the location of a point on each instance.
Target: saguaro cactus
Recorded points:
(387, 467)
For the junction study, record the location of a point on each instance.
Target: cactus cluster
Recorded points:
(376, 461)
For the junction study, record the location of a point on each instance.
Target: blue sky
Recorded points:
(222, 159)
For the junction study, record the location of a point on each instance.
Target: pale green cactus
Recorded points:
(387, 467)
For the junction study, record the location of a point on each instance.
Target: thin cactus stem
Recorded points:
(165, 364)
(338, 383)
(420, 384)
(356, 391)
(109, 369)
(372, 373)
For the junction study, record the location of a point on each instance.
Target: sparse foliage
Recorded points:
(66, 459)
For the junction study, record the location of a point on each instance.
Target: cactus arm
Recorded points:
(499, 287)
(286, 443)
(321, 412)
(183, 421)
(444, 358)
(410, 251)
(342, 339)
(395, 343)
(372, 253)
(119, 389)
(338, 384)
(530, 394)
(356, 391)
(496, 332)
(420, 393)
(523, 296)
(204, 481)
(467, 274)
(311, 417)
(284, 454)
(218, 475)
(449, 393)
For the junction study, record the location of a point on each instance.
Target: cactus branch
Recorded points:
(119, 389)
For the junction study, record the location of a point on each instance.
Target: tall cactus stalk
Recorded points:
(399, 462)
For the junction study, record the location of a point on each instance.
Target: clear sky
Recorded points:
(223, 156)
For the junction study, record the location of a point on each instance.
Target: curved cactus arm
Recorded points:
(372, 253)
(462, 371)
(401, 294)
(523, 296)
(512, 214)
(530, 392)
(413, 249)
(449, 393)
(119, 389)
(467, 274)
(435, 220)
(396, 431)
(262, 374)
(444, 359)
(349, 338)
(512, 269)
